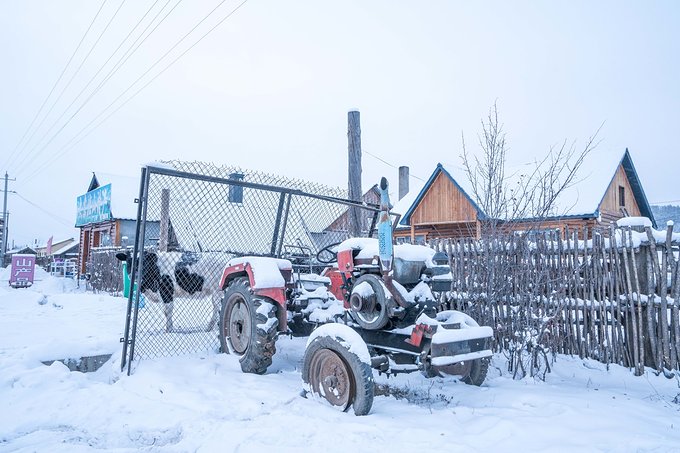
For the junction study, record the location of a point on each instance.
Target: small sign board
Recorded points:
(23, 271)
(94, 206)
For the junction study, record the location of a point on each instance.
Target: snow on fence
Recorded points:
(208, 215)
(613, 298)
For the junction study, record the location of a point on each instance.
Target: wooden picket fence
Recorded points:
(613, 298)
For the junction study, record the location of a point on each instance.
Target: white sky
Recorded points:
(270, 88)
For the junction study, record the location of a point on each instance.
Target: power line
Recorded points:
(101, 67)
(52, 215)
(26, 156)
(390, 164)
(66, 147)
(121, 61)
(124, 92)
(63, 71)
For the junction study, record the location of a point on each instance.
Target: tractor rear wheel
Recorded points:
(471, 372)
(338, 376)
(248, 326)
(476, 372)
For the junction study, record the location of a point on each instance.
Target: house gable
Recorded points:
(618, 197)
(94, 183)
(625, 183)
(442, 200)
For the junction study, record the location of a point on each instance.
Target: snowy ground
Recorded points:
(205, 403)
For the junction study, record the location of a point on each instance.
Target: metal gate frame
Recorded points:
(286, 194)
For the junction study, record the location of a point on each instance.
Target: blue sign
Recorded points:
(94, 206)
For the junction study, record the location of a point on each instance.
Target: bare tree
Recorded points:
(506, 198)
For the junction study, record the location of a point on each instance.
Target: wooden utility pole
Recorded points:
(354, 168)
(165, 221)
(3, 243)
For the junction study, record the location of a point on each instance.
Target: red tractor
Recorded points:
(371, 307)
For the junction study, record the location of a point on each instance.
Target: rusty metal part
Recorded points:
(239, 325)
(394, 292)
(331, 378)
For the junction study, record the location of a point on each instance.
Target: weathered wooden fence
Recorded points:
(104, 271)
(613, 298)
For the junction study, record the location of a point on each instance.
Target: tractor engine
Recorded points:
(387, 300)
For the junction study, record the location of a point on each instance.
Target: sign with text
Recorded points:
(23, 270)
(94, 206)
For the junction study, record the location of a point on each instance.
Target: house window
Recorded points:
(622, 196)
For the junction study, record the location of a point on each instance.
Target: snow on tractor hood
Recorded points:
(368, 248)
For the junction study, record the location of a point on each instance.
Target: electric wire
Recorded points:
(391, 165)
(121, 61)
(27, 155)
(13, 154)
(68, 146)
(50, 214)
(112, 73)
(99, 70)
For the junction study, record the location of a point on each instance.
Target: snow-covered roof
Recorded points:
(402, 206)
(20, 250)
(634, 222)
(58, 246)
(595, 175)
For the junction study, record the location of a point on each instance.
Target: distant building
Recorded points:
(66, 249)
(107, 215)
(17, 251)
(442, 208)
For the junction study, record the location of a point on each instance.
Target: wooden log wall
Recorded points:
(613, 298)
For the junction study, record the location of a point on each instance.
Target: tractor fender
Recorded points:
(347, 336)
(268, 277)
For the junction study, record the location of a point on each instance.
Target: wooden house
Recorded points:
(107, 215)
(18, 251)
(442, 208)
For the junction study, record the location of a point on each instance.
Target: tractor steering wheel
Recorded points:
(327, 255)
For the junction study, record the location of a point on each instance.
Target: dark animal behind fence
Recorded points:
(168, 275)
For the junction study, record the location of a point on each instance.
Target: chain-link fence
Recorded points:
(208, 215)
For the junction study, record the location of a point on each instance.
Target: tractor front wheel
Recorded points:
(248, 327)
(338, 375)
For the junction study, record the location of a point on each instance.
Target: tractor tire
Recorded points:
(477, 372)
(472, 372)
(248, 326)
(338, 375)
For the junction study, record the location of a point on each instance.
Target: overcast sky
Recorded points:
(269, 89)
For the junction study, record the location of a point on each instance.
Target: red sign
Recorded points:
(23, 268)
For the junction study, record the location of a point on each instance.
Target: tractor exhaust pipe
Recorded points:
(385, 247)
